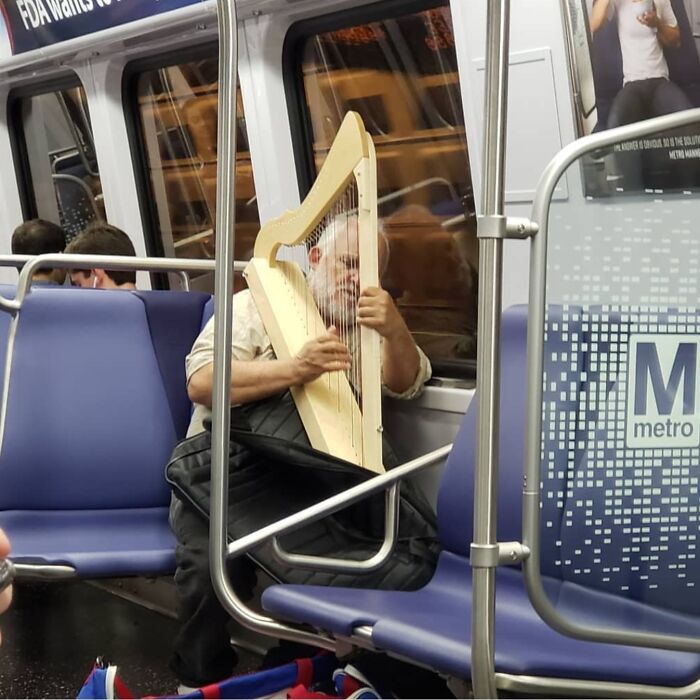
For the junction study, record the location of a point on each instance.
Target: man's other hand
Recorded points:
(326, 353)
(376, 309)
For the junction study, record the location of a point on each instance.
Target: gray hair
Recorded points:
(338, 224)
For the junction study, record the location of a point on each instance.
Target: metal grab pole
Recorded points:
(488, 348)
(225, 237)
(223, 286)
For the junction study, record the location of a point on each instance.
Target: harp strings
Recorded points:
(334, 284)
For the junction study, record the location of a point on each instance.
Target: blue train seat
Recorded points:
(683, 63)
(432, 626)
(208, 311)
(97, 402)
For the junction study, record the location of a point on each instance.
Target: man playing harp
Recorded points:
(203, 653)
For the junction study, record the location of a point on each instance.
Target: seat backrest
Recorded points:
(624, 517)
(175, 320)
(456, 496)
(208, 312)
(90, 423)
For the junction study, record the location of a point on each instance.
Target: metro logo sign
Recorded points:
(663, 388)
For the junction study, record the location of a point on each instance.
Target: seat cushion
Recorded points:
(125, 542)
(433, 626)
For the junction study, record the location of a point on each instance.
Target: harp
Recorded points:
(341, 413)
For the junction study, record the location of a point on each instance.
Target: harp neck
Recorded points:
(352, 145)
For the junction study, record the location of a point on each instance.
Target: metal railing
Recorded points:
(488, 348)
(218, 549)
(535, 367)
(223, 283)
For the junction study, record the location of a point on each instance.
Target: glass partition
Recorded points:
(620, 437)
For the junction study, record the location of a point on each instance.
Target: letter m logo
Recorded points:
(649, 368)
(662, 388)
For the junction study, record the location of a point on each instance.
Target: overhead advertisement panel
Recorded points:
(34, 24)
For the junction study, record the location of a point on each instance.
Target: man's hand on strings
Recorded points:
(376, 309)
(326, 353)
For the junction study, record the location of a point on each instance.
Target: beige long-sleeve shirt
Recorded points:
(250, 341)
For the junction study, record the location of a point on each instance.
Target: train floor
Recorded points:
(53, 632)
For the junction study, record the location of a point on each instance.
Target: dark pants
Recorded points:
(202, 652)
(643, 99)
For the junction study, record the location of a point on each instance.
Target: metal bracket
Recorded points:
(499, 226)
(489, 556)
(43, 571)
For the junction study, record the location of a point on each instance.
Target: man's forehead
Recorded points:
(346, 240)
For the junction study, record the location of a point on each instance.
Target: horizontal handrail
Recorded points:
(30, 265)
(555, 170)
(338, 502)
(351, 566)
(19, 261)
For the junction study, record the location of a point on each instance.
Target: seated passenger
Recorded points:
(202, 650)
(100, 238)
(38, 237)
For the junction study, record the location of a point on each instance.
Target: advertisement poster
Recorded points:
(643, 62)
(33, 24)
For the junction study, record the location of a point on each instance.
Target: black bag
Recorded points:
(274, 472)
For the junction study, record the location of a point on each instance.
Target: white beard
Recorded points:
(336, 308)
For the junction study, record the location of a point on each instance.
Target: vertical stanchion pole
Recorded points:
(221, 418)
(223, 285)
(488, 347)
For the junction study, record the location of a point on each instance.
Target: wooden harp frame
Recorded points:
(329, 411)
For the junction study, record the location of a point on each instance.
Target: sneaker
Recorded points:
(183, 689)
(349, 682)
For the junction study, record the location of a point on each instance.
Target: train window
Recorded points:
(400, 75)
(62, 182)
(177, 118)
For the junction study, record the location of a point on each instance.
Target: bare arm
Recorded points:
(667, 35)
(599, 14)
(252, 380)
(400, 360)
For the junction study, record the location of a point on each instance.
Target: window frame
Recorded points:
(132, 71)
(300, 117)
(18, 141)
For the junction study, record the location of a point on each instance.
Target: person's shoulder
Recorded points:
(243, 298)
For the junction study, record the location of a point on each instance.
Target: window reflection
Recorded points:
(401, 76)
(177, 108)
(63, 170)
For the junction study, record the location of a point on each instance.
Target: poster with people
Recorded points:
(643, 62)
